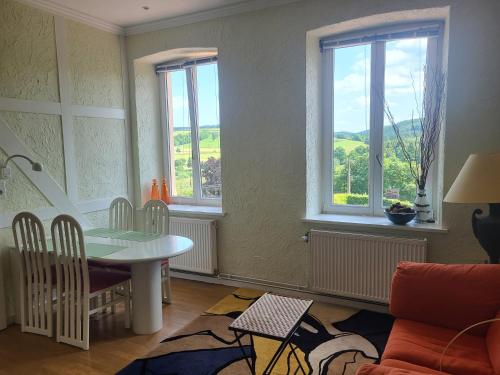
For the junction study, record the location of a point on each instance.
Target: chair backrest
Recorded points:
(35, 274)
(72, 280)
(121, 214)
(156, 217)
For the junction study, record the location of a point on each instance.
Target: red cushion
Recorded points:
(101, 279)
(422, 344)
(411, 368)
(450, 296)
(389, 370)
(493, 344)
(164, 262)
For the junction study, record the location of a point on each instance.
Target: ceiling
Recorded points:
(126, 13)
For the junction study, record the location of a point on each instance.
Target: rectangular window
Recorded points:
(190, 100)
(363, 73)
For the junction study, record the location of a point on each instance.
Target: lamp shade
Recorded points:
(478, 181)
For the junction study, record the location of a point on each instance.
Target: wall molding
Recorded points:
(224, 11)
(65, 95)
(62, 10)
(41, 180)
(230, 10)
(280, 288)
(30, 106)
(98, 112)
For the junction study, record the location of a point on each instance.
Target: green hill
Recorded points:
(405, 128)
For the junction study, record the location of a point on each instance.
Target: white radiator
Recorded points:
(357, 265)
(203, 257)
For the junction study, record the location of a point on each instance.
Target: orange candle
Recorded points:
(165, 197)
(155, 190)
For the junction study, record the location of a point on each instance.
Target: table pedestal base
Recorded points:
(146, 297)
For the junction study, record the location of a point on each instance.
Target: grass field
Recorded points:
(209, 147)
(347, 144)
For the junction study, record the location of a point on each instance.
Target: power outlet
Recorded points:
(2, 189)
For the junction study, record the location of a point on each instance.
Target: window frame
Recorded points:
(167, 134)
(376, 115)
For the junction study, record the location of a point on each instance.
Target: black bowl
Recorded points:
(402, 218)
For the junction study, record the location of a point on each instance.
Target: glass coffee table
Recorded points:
(273, 317)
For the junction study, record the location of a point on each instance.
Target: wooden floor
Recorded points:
(111, 346)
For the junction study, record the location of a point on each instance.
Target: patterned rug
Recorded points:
(331, 340)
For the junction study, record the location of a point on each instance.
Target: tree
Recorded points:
(211, 177)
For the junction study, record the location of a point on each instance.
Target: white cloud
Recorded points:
(419, 43)
(396, 56)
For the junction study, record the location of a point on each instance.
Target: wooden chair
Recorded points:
(77, 285)
(156, 219)
(37, 286)
(121, 214)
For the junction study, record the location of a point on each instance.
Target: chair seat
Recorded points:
(422, 344)
(101, 279)
(164, 262)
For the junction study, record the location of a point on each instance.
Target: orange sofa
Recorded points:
(431, 304)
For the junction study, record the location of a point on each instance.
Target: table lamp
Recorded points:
(479, 182)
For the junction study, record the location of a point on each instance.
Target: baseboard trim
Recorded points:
(282, 288)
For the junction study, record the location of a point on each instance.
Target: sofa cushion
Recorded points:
(389, 370)
(412, 367)
(493, 344)
(451, 296)
(422, 344)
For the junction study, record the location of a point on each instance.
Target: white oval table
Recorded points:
(145, 260)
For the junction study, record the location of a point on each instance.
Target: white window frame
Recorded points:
(167, 132)
(377, 85)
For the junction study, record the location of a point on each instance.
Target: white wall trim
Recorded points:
(62, 10)
(94, 205)
(44, 213)
(247, 6)
(98, 112)
(47, 213)
(65, 93)
(280, 288)
(30, 106)
(41, 180)
(128, 128)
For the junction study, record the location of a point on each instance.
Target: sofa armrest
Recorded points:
(493, 343)
(450, 296)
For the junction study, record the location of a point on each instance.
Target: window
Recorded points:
(363, 169)
(190, 113)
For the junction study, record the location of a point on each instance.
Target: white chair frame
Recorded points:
(73, 284)
(121, 214)
(36, 287)
(156, 219)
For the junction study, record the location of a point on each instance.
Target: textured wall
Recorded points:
(28, 70)
(94, 58)
(28, 65)
(264, 112)
(148, 130)
(101, 166)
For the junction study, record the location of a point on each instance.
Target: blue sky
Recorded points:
(404, 59)
(208, 96)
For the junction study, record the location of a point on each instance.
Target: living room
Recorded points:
(280, 140)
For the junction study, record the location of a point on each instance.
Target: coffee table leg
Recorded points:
(146, 297)
(276, 356)
(251, 364)
(297, 357)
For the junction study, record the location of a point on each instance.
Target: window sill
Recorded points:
(184, 209)
(355, 221)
